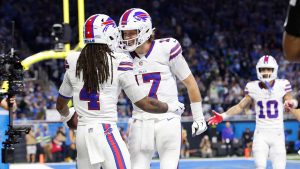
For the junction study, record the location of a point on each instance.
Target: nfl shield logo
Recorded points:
(141, 63)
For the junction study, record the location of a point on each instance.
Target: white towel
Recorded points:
(147, 142)
(94, 144)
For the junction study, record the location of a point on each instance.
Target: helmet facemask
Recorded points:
(130, 44)
(266, 74)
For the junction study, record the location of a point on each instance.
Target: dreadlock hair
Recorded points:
(94, 65)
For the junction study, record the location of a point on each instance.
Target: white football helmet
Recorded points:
(267, 61)
(135, 19)
(100, 28)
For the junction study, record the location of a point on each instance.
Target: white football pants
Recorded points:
(147, 136)
(269, 143)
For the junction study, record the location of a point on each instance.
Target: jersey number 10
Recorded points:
(269, 105)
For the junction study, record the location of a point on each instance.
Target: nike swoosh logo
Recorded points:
(170, 118)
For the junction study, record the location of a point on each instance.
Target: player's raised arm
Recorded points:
(291, 35)
(238, 108)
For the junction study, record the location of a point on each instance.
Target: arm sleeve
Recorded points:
(177, 62)
(66, 89)
(287, 86)
(247, 90)
(180, 67)
(130, 86)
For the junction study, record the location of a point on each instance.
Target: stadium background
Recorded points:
(221, 39)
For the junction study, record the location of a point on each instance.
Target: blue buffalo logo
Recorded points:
(107, 23)
(141, 16)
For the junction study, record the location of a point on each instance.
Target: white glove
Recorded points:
(69, 116)
(199, 126)
(176, 107)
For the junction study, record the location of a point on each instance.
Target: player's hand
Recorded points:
(199, 126)
(290, 104)
(216, 119)
(176, 107)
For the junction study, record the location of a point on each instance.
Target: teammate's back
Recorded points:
(100, 105)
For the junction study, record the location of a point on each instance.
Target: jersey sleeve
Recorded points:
(66, 89)
(177, 62)
(130, 86)
(287, 86)
(127, 79)
(71, 60)
(247, 90)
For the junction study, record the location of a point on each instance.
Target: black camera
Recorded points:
(12, 71)
(61, 34)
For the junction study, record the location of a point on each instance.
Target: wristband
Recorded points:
(197, 110)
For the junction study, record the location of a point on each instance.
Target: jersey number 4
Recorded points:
(155, 77)
(92, 99)
(269, 105)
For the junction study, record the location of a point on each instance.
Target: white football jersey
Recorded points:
(102, 106)
(155, 74)
(268, 104)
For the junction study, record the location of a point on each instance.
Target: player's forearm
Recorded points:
(192, 88)
(152, 105)
(234, 110)
(62, 107)
(296, 113)
(156, 106)
(238, 108)
(63, 110)
(291, 47)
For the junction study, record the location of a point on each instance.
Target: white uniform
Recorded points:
(269, 137)
(98, 140)
(155, 73)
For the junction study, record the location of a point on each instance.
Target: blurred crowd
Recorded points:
(222, 41)
(50, 145)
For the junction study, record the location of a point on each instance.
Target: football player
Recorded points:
(94, 79)
(268, 94)
(157, 63)
(291, 35)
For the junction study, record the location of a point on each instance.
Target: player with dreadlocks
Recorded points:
(94, 79)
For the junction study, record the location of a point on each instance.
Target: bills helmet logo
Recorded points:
(266, 59)
(107, 23)
(141, 16)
